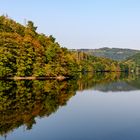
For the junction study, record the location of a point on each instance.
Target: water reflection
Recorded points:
(22, 101)
(106, 82)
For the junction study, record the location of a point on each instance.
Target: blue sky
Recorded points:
(81, 23)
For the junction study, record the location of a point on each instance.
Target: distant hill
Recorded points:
(113, 53)
(134, 63)
(135, 59)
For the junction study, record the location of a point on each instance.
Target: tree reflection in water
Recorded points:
(22, 101)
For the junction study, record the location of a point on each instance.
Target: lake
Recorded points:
(92, 107)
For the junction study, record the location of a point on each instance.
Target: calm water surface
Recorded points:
(91, 108)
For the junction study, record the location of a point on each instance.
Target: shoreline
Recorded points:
(34, 78)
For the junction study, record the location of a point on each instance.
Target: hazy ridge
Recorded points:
(112, 53)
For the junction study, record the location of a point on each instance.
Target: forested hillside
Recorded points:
(112, 53)
(135, 58)
(134, 63)
(24, 52)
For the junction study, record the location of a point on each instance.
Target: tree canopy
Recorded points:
(25, 52)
